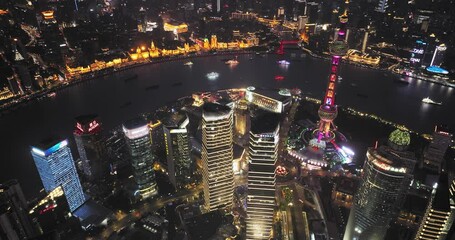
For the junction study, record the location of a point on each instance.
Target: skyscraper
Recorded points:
(440, 212)
(87, 134)
(387, 173)
(433, 157)
(217, 155)
(438, 55)
(139, 144)
(55, 165)
(262, 156)
(14, 220)
(177, 149)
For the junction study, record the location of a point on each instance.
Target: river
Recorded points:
(116, 100)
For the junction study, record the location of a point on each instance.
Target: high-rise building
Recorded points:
(217, 155)
(440, 212)
(387, 173)
(177, 149)
(438, 55)
(328, 110)
(139, 144)
(262, 156)
(303, 20)
(87, 134)
(15, 223)
(55, 165)
(433, 157)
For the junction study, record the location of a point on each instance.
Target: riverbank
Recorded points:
(15, 104)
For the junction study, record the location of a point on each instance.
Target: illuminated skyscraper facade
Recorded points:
(387, 173)
(217, 156)
(177, 149)
(440, 212)
(55, 165)
(328, 110)
(87, 134)
(438, 55)
(262, 156)
(241, 117)
(15, 222)
(139, 144)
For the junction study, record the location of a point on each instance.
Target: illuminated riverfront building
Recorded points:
(387, 173)
(15, 223)
(177, 149)
(87, 134)
(217, 155)
(55, 165)
(440, 213)
(433, 157)
(139, 144)
(262, 156)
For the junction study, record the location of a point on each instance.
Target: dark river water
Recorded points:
(107, 96)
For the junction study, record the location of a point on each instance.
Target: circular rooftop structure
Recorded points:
(399, 139)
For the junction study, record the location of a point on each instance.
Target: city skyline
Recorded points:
(227, 120)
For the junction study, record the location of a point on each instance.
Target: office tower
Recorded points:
(55, 165)
(177, 149)
(365, 41)
(14, 220)
(387, 173)
(92, 153)
(139, 144)
(438, 55)
(418, 54)
(217, 155)
(328, 110)
(262, 156)
(440, 212)
(433, 157)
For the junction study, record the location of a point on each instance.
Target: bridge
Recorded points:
(280, 49)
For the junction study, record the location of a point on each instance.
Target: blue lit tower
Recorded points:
(328, 110)
(139, 144)
(55, 166)
(386, 176)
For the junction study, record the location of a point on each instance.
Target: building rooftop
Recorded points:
(271, 93)
(215, 108)
(49, 143)
(264, 122)
(135, 123)
(86, 119)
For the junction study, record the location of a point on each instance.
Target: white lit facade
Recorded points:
(262, 156)
(217, 156)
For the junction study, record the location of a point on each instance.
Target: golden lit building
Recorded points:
(175, 27)
(213, 42)
(5, 94)
(241, 117)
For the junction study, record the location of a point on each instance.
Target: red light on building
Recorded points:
(50, 207)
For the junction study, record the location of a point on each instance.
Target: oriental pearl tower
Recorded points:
(328, 110)
(326, 145)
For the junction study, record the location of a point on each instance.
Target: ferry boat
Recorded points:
(279, 78)
(212, 75)
(429, 101)
(232, 62)
(190, 63)
(283, 62)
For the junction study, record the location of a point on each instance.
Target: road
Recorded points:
(145, 208)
